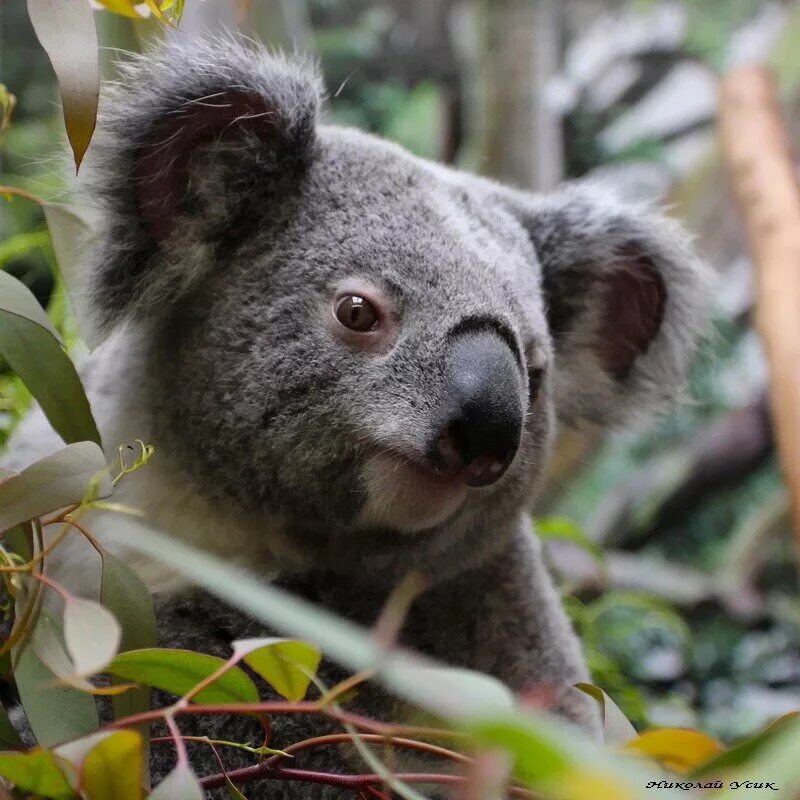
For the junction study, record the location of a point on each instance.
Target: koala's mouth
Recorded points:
(407, 495)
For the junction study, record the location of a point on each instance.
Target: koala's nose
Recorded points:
(482, 415)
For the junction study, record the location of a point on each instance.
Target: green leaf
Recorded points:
(56, 713)
(537, 760)
(124, 593)
(49, 375)
(180, 784)
(68, 233)
(565, 529)
(9, 738)
(65, 29)
(178, 671)
(47, 641)
(16, 298)
(53, 482)
(114, 768)
(745, 752)
(287, 665)
(75, 752)
(7, 104)
(617, 728)
(20, 540)
(91, 633)
(36, 772)
(777, 761)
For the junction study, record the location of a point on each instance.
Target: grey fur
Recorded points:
(267, 425)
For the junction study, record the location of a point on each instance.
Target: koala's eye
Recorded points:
(356, 313)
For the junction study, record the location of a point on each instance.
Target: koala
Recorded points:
(352, 362)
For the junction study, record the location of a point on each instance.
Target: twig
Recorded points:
(336, 738)
(345, 781)
(285, 707)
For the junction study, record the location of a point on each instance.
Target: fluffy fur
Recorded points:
(215, 267)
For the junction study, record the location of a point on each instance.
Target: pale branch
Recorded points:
(667, 489)
(763, 173)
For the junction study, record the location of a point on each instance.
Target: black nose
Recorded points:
(482, 414)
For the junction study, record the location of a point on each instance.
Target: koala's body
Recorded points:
(351, 362)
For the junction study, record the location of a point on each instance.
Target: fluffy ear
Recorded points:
(194, 136)
(626, 301)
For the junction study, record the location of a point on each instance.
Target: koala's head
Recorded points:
(366, 348)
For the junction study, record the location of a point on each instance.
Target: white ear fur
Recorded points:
(626, 298)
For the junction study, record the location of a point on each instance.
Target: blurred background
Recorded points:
(672, 544)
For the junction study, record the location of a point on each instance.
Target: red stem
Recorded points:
(283, 707)
(355, 782)
(260, 772)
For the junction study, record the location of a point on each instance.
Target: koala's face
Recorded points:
(355, 342)
(374, 355)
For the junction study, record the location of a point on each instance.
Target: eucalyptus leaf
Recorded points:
(124, 593)
(9, 738)
(20, 540)
(53, 482)
(746, 751)
(16, 298)
(287, 665)
(65, 29)
(179, 671)
(76, 751)
(91, 633)
(180, 784)
(777, 761)
(55, 712)
(49, 375)
(617, 728)
(114, 768)
(68, 234)
(47, 641)
(36, 772)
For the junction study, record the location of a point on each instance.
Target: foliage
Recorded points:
(62, 664)
(86, 640)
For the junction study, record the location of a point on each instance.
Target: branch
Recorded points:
(285, 707)
(759, 157)
(345, 781)
(675, 583)
(672, 485)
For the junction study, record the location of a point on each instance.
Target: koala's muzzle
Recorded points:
(482, 412)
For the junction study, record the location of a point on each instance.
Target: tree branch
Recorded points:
(759, 157)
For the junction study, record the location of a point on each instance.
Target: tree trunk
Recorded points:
(279, 23)
(520, 44)
(764, 176)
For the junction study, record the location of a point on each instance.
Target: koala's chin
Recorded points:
(407, 497)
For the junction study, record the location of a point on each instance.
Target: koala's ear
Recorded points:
(626, 301)
(194, 136)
